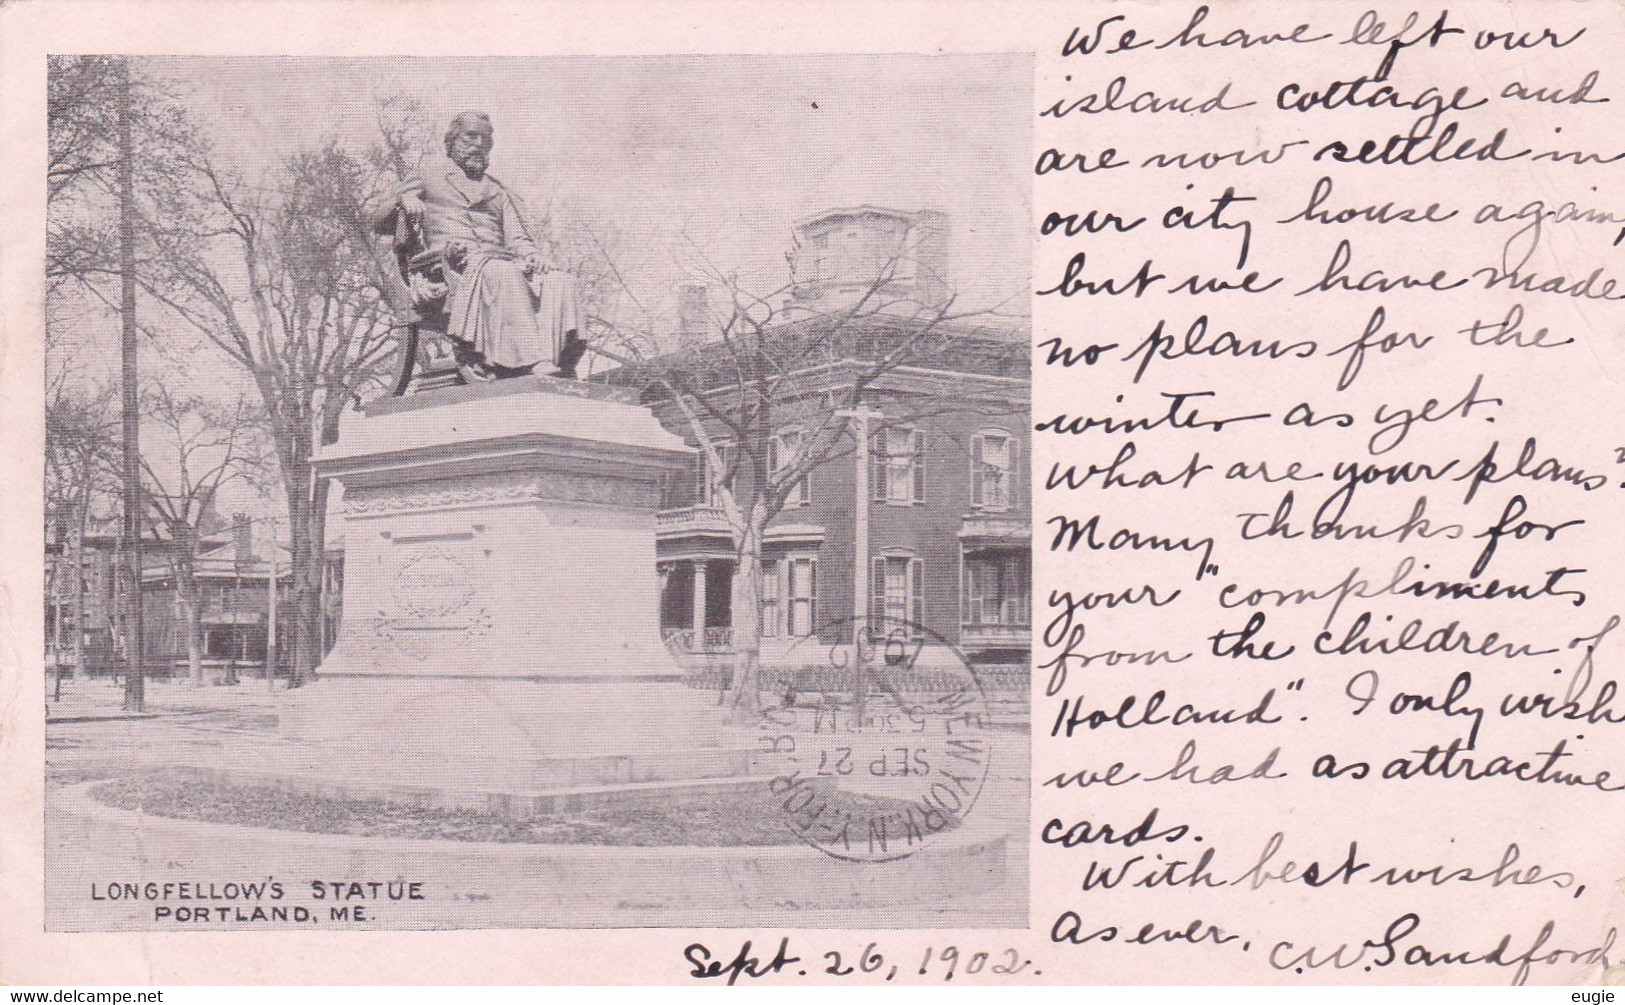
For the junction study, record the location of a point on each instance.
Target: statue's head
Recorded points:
(468, 141)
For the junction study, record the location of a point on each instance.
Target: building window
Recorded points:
(996, 589)
(897, 585)
(897, 459)
(993, 467)
(801, 587)
(707, 481)
(784, 451)
(772, 605)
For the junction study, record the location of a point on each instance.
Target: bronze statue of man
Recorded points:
(503, 303)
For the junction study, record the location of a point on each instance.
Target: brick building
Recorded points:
(233, 572)
(232, 568)
(943, 493)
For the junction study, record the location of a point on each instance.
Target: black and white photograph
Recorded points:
(561, 492)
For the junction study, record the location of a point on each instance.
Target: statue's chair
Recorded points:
(430, 356)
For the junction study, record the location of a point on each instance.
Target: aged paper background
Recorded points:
(1572, 400)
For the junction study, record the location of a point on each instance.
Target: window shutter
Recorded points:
(917, 608)
(781, 582)
(782, 454)
(918, 438)
(877, 594)
(877, 466)
(964, 591)
(789, 583)
(812, 596)
(976, 470)
(1013, 479)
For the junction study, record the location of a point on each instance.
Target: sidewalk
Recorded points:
(101, 699)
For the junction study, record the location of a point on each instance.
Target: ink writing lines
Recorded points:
(1327, 486)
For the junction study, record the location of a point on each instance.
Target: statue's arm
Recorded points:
(380, 210)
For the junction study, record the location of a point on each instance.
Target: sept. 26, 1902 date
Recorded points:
(934, 963)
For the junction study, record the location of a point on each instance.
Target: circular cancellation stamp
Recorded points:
(875, 749)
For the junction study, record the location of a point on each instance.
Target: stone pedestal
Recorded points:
(502, 531)
(500, 617)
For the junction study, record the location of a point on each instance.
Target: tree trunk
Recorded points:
(307, 626)
(746, 707)
(58, 594)
(299, 608)
(77, 643)
(188, 592)
(313, 573)
(194, 637)
(303, 606)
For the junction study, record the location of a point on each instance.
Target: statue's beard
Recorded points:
(472, 161)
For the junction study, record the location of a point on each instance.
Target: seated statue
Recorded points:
(473, 270)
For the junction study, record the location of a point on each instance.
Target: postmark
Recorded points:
(876, 749)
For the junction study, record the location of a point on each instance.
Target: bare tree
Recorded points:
(113, 141)
(776, 391)
(81, 468)
(83, 160)
(199, 447)
(82, 96)
(301, 310)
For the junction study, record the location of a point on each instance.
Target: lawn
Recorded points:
(748, 817)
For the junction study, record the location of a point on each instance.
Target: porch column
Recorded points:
(701, 573)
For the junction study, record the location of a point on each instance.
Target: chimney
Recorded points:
(928, 239)
(693, 310)
(242, 539)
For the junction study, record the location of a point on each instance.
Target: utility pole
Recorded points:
(134, 679)
(859, 418)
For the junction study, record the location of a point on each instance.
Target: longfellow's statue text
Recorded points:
(473, 268)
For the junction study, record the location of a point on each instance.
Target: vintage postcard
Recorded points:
(856, 493)
(634, 500)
